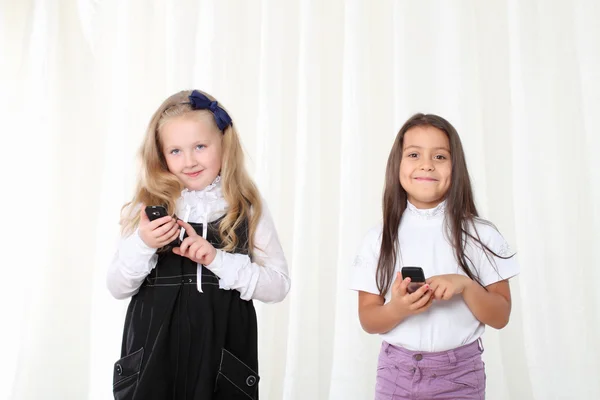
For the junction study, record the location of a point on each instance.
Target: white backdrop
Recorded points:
(319, 90)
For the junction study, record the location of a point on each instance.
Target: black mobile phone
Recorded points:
(156, 212)
(416, 275)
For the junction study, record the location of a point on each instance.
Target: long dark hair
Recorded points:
(461, 212)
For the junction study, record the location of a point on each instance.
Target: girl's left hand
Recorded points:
(195, 247)
(444, 287)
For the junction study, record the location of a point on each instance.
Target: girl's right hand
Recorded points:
(157, 233)
(410, 304)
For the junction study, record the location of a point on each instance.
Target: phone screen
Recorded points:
(417, 278)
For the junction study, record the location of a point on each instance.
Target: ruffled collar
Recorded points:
(427, 213)
(202, 206)
(212, 192)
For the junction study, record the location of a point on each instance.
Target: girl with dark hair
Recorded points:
(431, 336)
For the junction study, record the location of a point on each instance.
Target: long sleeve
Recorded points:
(131, 264)
(265, 278)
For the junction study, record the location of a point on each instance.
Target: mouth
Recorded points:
(192, 174)
(425, 179)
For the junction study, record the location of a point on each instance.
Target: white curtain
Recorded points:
(319, 90)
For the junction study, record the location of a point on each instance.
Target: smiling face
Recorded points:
(425, 166)
(192, 147)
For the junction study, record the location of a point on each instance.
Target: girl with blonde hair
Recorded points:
(192, 271)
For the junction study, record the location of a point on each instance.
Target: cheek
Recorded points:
(404, 173)
(219, 155)
(215, 158)
(171, 163)
(448, 176)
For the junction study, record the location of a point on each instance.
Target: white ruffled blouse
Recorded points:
(265, 277)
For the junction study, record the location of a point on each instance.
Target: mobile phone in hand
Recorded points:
(417, 278)
(156, 212)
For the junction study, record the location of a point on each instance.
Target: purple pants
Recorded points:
(453, 375)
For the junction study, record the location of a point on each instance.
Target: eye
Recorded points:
(411, 155)
(174, 152)
(200, 147)
(440, 157)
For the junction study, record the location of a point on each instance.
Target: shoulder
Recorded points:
(129, 218)
(374, 233)
(367, 255)
(266, 224)
(263, 207)
(486, 229)
(490, 236)
(371, 241)
(131, 210)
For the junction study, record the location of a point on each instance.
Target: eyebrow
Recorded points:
(171, 147)
(433, 148)
(174, 146)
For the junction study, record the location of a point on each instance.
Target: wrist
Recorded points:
(468, 284)
(144, 242)
(216, 262)
(211, 256)
(394, 313)
(141, 243)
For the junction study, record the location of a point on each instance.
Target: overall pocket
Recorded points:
(126, 373)
(236, 380)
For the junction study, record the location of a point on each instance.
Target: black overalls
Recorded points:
(179, 343)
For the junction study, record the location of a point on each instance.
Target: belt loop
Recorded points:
(480, 344)
(386, 347)
(451, 356)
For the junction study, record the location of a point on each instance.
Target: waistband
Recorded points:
(182, 279)
(453, 356)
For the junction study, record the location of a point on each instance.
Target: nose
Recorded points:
(190, 161)
(427, 165)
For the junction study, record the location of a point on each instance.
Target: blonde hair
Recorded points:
(157, 186)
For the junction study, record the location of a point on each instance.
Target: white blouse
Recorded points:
(424, 243)
(265, 277)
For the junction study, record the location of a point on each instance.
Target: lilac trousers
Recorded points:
(457, 374)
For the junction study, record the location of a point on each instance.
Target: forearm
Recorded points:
(129, 267)
(268, 282)
(376, 318)
(121, 284)
(489, 308)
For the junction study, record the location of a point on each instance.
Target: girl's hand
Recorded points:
(444, 287)
(157, 233)
(195, 247)
(410, 304)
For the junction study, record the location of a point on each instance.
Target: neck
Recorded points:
(424, 205)
(215, 184)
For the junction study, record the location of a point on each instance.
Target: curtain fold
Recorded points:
(318, 91)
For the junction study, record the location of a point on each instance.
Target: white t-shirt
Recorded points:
(424, 243)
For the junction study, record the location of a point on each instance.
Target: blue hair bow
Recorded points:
(198, 101)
